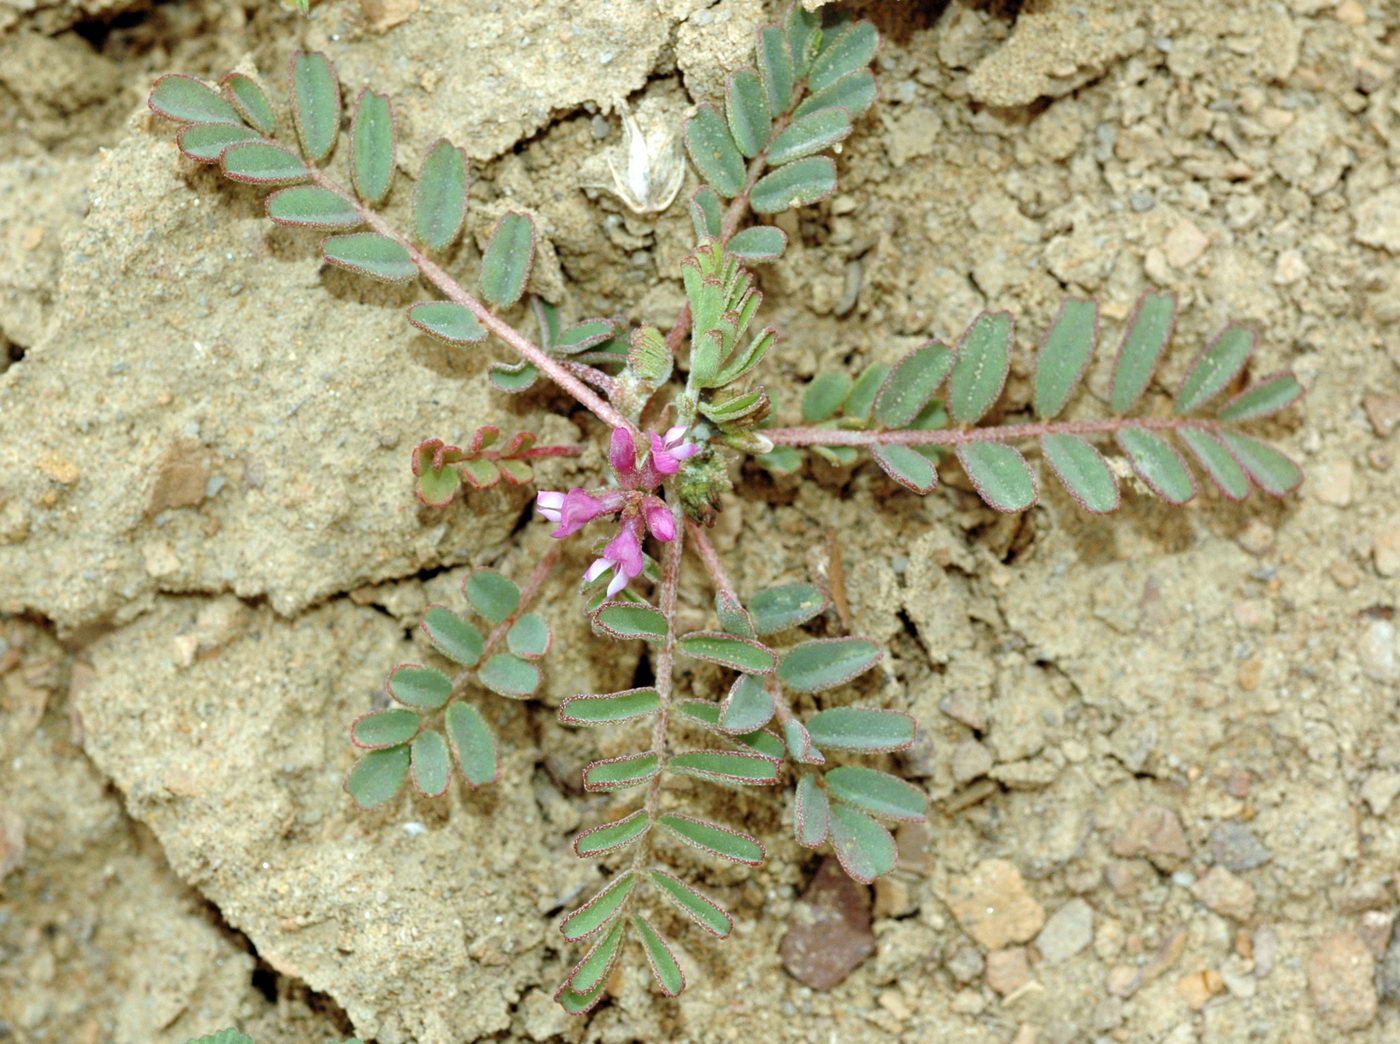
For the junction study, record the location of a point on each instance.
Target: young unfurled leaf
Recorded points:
(529, 637)
(1216, 366)
(810, 134)
(609, 708)
(775, 68)
(748, 706)
(593, 969)
(247, 96)
(626, 620)
(510, 254)
(596, 914)
(310, 206)
(794, 185)
(1083, 471)
(1271, 470)
(861, 729)
(877, 792)
(315, 104)
(372, 143)
(492, 595)
(776, 609)
(186, 100)
(378, 775)
(725, 766)
(1270, 395)
(440, 198)
(706, 212)
(1001, 475)
(1064, 355)
(1146, 337)
(432, 766)
(864, 848)
(1219, 462)
(911, 383)
(418, 686)
(907, 466)
(714, 153)
(473, 746)
(854, 92)
(824, 396)
(825, 663)
(733, 845)
(746, 107)
(664, 967)
(508, 675)
(386, 728)
(262, 163)
(758, 243)
(365, 252)
(811, 812)
(206, 142)
(648, 358)
(1159, 465)
(843, 51)
(739, 653)
(448, 322)
(617, 773)
(609, 836)
(703, 910)
(979, 372)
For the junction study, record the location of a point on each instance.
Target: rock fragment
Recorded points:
(1008, 970)
(993, 906)
(1235, 847)
(1069, 930)
(1226, 894)
(1154, 832)
(829, 930)
(1341, 981)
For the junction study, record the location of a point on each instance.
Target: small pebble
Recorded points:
(1235, 847)
(1341, 982)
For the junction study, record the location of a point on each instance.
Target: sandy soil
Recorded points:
(1162, 748)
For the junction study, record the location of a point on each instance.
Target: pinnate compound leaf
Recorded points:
(1271, 471)
(417, 686)
(854, 92)
(1219, 462)
(378, 775)
(508, 675)
(629, 770)
(247, 96)
(365, 252)
(664, 967)
(714, 152)
(748, 706)
(1158, 464)
(593, 970)
(1064, 355)
(448, 322)
(386, 728)
(609, 836)
(866, 730)
(844, 50)
(510, 254)
(440, 198)
(310, 206)
(186, 100)
(911, 384)
(824, 396)
(432, 766)
(596, 914)
(811, 812)
(262, 163)
(758, 243)
(315, 104)
(529, 637)
(776, 609)
(746, 107)
(1001, 475)
(864, 848)
(1083, 471)
(473, 746)
(725, 766)
(492, 595)
(610, 708)
(1146, 337)
(706, 212)
(372, 143)
(826, 663)
(877, 792)
(741, 654)
(1216, 366)
(701, 909)
(626, 620)
(809, 134)
(979, 372)
(907, 466)
(794, 185)
(775, 68)
(206, 142)
(733, 845)
(1270, 395)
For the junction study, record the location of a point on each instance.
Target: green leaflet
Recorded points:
(859, 729)
(733, 845)
(907, 466)
(776, 609)
(724, 766)
(748, 706)
(865, 848)
(183, 98)
(794, 185)
(372, 145)
(855, 92)
(453, 323)
(1160, 466)
(206, 142)
(610, 836)
(310, 206)
(315, 104)
(510, 254)
(246, 95)
(378, 775)
(1219, 463)
(432, 766)
(979, 372)
(664, 967)
(775, 68)
(617, 773)
(364, 252)
(1271, 471)
(911, 383)
(825, 663)
(1064, 355)
(508, 675)
(529, 637)
(262, 163)
(1216, 367)
(758, 243)
(592, 971)
(386, 728)
(609, 708)
(811, 812)
(844, 49)
(809, 135)
(598, 912)
(1082, 470)
(1143, 343)
(714, 152)
(492, 595)
(473, 746)
(440, 197)
(424, 687)
(824, 396)
(1270, 395)
(746, 107)
(704, 911)
(1001, 475)
(627, 620)
(739, 653)
(876, 792)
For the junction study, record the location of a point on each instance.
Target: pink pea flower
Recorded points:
(623, 556)
(668, 451)
(573, 510)
(622, 455)
(659, 519)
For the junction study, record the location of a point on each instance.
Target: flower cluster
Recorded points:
(634, 501)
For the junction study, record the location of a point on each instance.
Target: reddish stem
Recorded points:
(533, 452)
(960, 436)
(710, 557)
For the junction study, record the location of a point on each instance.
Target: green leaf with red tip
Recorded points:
(575, 1003)
(378, 776)
(664, 967)
(706, 212)
(440, 197)
(372, 146)
(811, 812)
(979, 371)
(206, 142)
(1271, 471)
(508, 675)
(1082, 470)
(473, 746)
(1219, 463)
(862, 729)
(187, 100)
(386, 728)
(315, 104)
(734, 845)
(1143, 343)
(796, 184)
(826, 663)
(630, 770)
(510, 254)
(1000, 474)
(417, 686)
(864, 848)
(262, 163)
(453, 323)
(714, 153)
(700, 908)
(432, 765)
(310, 206)
(610, 708)
(247, 96)
(611, 836)
(725, 766)
(1158, 464)
(367, 253)
(1064, 355)
(1217, 365)
(877, 792)
(596, 914)
(741, 654)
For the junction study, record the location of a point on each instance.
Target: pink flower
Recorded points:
(667, 452)
(659, 519)
(623, 556)
(622, 455)
(573, 510)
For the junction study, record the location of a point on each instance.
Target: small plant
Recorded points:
(675, 407)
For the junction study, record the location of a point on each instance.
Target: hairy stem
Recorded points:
(960, 436)
(710, 557)
(534, 452)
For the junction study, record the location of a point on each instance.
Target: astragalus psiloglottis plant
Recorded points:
(675, 409)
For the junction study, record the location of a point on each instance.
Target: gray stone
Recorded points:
(1069, 930)
(1235, 847)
